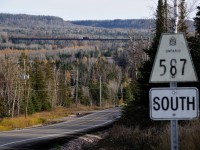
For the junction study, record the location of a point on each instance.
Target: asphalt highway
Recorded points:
(10, 139)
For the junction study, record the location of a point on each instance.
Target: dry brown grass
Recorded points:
(133, 138)
(189, 137)
(41, 118)
(154, 138)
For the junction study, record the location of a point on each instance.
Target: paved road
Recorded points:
(10, 139)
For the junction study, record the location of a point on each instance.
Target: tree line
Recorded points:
(34, 81)
(29, 86)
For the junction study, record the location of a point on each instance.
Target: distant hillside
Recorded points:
(130, 23)
(125, 24)
(32, 21)
(22, 25)
(22, 20)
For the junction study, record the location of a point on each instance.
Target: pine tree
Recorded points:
(49, 78)
(182, 26)
(197, 22)
(128, 94)
(160, 28)
(166, 15)
(40, 97)
(194, 45)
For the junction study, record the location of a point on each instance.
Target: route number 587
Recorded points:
(172, 66)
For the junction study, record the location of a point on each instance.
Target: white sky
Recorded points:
(84, 9)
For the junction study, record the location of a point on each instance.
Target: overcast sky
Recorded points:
(83, 9)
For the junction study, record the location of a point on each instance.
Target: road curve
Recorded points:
(10, 139)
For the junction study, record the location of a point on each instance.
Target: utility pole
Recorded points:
(174, 123)
(77, 88)
(25, 76)
(25, 101)
(65, 78)
(100, 102)
(122, 97)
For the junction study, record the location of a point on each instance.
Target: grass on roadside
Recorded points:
(40, 118)
(189, 137)
(127, 138)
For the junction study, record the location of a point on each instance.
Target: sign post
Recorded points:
(174, 123)
(174, 104)
(172, 64)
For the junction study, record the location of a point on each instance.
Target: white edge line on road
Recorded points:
(105, 110)
(71, 132)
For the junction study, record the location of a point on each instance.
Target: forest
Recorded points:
(41, 75)
(39, 80)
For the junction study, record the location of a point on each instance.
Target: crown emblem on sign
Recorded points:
(172, 41)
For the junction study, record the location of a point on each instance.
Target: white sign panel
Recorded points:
(173, 104)
(173, 62)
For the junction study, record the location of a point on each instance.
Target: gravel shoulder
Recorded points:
(84, 142)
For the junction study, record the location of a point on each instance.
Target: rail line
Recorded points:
(13, 39)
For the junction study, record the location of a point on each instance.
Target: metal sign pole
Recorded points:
(174, 123)
(174, 134)
(174, 126)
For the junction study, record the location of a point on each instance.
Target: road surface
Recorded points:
(10, 139)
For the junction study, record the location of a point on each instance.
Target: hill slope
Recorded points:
(29, 21)
(23, 20)
(137, 24)
(51, 26)
(125, 24)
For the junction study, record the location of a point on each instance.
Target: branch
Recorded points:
(192, 7)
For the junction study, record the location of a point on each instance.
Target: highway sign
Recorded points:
(173, 62)
(174, 104)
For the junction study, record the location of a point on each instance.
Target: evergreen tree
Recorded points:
(3, 108)
(182, 26)
(49, 79)
(166, 15)
(83, 99)
(160, 28)
(194, 45)
(128, 94)
(197, 22)
(63, 92)
(40, 97)
(138, 110)
(94, 90)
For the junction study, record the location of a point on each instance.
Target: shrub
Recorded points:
(133, 138)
